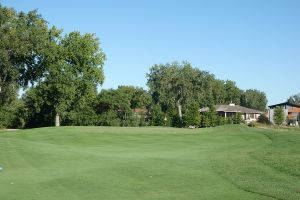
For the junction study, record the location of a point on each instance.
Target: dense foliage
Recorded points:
(254, 99)
(192, 116)
(63, 72)
(264, 120)
(182, 88)
(124, 106)
(294, 99)
(69, 84)
(24, 44)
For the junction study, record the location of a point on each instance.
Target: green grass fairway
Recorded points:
(103, 163)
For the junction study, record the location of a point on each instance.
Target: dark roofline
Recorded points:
(233, 109)
(241, 109)
(284, 104)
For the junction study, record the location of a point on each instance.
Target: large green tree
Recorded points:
(24, 51)
(233, 93)
(74, 70)
(170, 84)
(219, 92)
(179, 84)
(25, 38)
(192, 115)
(255, 99)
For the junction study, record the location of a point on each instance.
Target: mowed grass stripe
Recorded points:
(143, 163)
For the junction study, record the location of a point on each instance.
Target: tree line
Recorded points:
(60, 75)
(179, 88)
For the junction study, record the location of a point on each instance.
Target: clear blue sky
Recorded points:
(254, 43)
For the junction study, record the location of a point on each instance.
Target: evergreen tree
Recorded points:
(213, 118)
(237, 118)
(192, 115)
(278, 115)
(205, 120)
(220, 120)
(157, 117)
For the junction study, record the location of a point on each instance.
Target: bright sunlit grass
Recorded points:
(230, 162)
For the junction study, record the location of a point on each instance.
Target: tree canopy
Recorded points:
(178, 85)
(117, 106)
(63, 72)
(294, 99)
(255, 99)
(71, 79)
(24, 46)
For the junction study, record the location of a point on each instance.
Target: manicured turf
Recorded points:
(230, 162)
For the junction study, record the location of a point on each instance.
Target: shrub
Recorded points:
(131, 121)
(237, 119)
(212, 115)
(143, 121)
(109, 118)
(229, 120)
(82, 114)
(251, 124)
(74, 118)
(173, 119)
(205, 120)
(264, 120)
(12, 115)
(221, 120)
(210, 118)
(192, 115)
(156, 116)
(176, 121)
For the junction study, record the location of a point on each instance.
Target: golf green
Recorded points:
(228, 162)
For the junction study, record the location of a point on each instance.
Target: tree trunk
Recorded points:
(179, 110)
(57, 120)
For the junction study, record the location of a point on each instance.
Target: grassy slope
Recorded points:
(231, 162)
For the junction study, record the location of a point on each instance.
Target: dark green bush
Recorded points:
(192, 115)
(12, 115)
(221, 120)
(80, 119)
(173, 118)
(237, 118)
(229, 120)
(205, 120)
(264, 120)
(156, 116)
